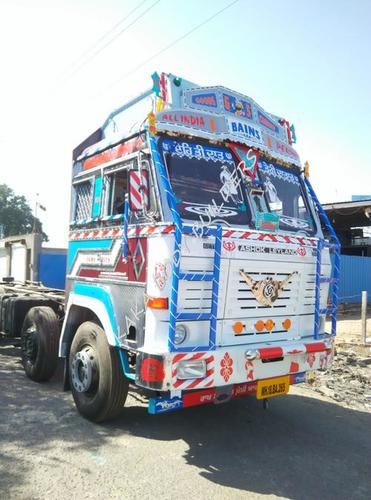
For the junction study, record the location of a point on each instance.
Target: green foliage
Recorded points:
(16, 214)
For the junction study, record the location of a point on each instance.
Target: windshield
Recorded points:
(284, 197)
(206, 183)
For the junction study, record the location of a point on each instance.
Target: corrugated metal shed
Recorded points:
(355, 276)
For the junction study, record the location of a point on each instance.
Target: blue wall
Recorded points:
(52, 269)
(355, 276)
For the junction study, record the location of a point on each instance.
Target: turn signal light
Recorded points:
(158, 302)
(259, 325)
(269, 324)
(238, 327)
(286, 323)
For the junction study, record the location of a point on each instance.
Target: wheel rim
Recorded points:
(85, 371)
(31, 344)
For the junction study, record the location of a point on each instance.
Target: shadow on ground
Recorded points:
(300, 448)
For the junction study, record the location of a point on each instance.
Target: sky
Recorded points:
(308, 61)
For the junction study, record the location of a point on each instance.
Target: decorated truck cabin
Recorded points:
(198, 267)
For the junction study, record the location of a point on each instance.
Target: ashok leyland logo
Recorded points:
(229, 246)
(266, 291)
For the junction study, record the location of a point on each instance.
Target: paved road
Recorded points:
(301, 448)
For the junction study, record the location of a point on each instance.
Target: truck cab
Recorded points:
(201, 266)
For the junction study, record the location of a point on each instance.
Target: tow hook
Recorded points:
(250, 355)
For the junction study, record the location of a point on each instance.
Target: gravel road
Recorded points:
(305, 446)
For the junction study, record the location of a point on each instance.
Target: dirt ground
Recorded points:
(314, 443)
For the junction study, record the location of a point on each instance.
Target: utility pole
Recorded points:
(35, 213)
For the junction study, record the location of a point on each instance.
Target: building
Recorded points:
(352, 223)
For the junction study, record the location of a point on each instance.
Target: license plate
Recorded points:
(272, 387)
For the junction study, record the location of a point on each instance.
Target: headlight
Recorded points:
(181, 332)
(191, 369)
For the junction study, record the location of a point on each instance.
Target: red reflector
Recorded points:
(315, 347)
(152, 370)
(270, 352)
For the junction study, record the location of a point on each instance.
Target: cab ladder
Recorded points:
(334, 245)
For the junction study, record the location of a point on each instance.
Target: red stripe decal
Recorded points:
(178, 357)
(246, 235)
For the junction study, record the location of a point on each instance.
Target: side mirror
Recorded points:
(138, 190)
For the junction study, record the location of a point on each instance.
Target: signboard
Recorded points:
(205, 99)
(186, 119)
(221, 114)
(244, 129)
(238, 107)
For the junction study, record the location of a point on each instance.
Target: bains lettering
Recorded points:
(245, 129)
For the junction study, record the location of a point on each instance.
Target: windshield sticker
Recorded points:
(272, 170)
(197, 151)
(271, 191)
(213, 212)
(230, 184)
(210, 211)
(296, 223)
(267, 221)
(249, 159)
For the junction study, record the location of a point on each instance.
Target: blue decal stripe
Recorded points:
(99, 293)
(75, 246)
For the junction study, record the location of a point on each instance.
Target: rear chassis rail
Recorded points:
(17, 298)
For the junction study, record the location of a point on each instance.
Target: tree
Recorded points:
(16, 215)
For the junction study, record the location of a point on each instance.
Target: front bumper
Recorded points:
(228, 366)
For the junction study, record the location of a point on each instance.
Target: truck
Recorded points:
(201, 266)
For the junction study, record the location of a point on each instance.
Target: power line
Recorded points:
(90, 54)
(103, 37)
(177, 40)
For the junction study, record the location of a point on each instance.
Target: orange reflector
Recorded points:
(286, 323)
(259, 325)
(158, 302)
(238, 327)
(269, 324)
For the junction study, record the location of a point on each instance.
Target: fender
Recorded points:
(96, 299)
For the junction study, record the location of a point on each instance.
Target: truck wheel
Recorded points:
(39, 342)
(98, 384)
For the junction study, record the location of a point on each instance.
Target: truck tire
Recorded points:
(98, 385)
(39, 342)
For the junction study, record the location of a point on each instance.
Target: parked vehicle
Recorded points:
(197, 265)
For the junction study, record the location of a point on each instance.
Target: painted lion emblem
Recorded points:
(160, 275)
(266, 291)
